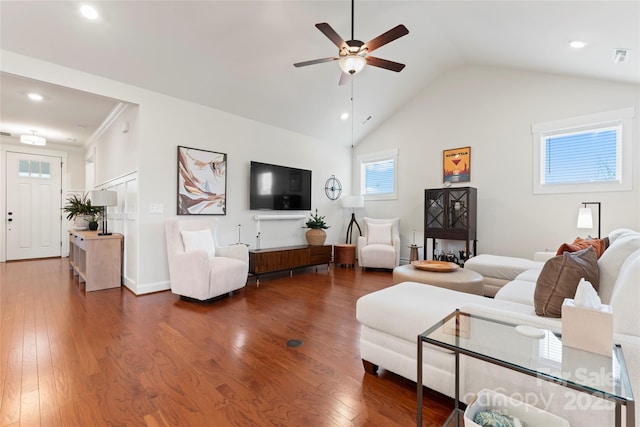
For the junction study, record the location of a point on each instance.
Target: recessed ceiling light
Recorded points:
(35, 96)
(577, 44)
(344, 116)
(89, 12)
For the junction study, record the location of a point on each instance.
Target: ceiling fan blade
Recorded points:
(345, 78)
(331, 34)
(383, 63)
(314, 61)
(389, 36)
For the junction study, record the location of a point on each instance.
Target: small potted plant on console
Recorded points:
(316, 234)
(80, 210)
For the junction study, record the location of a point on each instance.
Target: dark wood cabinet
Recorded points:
(450, 214)
(287, 258)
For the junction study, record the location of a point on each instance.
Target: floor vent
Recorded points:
(294, 343)
(5, 134)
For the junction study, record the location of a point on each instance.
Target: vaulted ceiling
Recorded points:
(237, 56)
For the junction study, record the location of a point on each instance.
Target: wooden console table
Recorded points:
(271, 260)
(96, 260)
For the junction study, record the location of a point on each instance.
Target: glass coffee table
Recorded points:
(531, 351)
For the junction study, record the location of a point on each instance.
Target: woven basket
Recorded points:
(316, 237)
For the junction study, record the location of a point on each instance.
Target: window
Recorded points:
(378, 175)
(34, 169)
(583, 154)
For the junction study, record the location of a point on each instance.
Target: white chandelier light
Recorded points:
(352, 63)
(33, 139)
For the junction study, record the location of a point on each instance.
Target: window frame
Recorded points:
(622, 117)
(379, 156)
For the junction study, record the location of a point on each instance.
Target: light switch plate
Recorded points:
(156, 208)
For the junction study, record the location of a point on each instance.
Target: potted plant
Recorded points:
(316, 234)
(93, 221)
(80, 211)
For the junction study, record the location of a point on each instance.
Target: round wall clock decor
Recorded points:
(333, 188)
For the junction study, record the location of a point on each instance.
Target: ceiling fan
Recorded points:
(353, 54)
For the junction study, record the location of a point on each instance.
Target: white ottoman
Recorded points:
(462, 280)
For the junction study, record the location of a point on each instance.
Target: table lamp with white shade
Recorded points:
(104, 198)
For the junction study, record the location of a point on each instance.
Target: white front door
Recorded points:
(34, 202)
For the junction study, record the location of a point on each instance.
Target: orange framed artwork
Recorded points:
(456, 165)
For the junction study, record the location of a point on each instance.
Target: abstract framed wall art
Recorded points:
(456, 165)
(202, 182)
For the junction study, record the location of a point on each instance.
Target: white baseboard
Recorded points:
(148, 287)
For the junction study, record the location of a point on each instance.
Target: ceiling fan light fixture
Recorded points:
(352, 64)
(33, 139)
(89, 12)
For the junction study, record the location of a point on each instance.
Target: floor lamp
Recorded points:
(352, 202)
(585, 216)
(104, 198)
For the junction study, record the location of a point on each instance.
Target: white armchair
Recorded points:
(379, 247)
(198, 267)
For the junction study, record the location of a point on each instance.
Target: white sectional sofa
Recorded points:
(392, 318)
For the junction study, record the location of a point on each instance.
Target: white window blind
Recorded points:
(578, 157)
(379, 177)
(584, 154)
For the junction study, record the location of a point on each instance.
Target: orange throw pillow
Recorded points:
(599, 245)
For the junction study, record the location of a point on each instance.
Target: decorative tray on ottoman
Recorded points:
(438, 266)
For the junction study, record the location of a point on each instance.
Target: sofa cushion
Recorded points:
(559, 279)
(520, 291)
(500, 267)
(611, 262)
(619, 232)
(598, 244)
(625, 297)
(530, 275)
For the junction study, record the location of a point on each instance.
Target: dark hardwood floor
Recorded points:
(70, 358)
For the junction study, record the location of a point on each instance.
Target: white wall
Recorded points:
(492, 110)
(116, 148)
(242, 140)
(112, 164)
(163, 123)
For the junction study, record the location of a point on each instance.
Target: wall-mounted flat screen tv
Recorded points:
(279, 188)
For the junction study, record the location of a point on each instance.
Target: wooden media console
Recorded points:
(271, 260)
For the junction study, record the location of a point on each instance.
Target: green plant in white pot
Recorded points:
(316, 235)
(80, 211)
